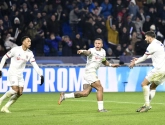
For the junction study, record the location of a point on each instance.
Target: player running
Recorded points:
(95, 57)
(156, 76)
(19, 57)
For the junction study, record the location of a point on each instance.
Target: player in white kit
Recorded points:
(19, 57)
(95, 57)
(156, 76)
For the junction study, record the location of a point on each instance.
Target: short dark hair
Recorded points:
(23, 38)
(99, 39)
(151, 34)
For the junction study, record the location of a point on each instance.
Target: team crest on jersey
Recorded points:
(97, 57)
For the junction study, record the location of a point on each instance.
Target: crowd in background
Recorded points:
(61, 27)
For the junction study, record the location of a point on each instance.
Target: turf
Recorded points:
(42, 109)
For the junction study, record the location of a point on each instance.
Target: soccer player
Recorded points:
(156, 76)
(19, 57)
(95, 57)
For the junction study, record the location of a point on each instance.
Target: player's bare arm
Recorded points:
(3, 63)
(37, 69)
(84, 52)
(106, 63)
(138, 60)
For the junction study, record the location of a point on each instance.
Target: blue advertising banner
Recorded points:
(70, 79)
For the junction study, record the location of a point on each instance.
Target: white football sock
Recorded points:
(12, 100)
(100, 105)
(152, 94)
(146, 95)
(8, 94)
(70, 95)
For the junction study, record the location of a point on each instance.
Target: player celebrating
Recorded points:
(19, 57)
(95, 56)
(156, 76)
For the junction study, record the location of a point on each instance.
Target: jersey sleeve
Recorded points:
(32, 59)
(91, 50)
(150, 50)
(11, 53)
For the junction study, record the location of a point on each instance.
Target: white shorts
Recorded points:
(156, 76)
(90, 78)
(15, 81)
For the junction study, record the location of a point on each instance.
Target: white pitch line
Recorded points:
(114, 102)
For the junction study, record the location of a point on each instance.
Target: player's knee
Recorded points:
(100, 88)
(20, 93)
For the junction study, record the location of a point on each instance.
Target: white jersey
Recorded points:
(19, 58)
(94, 60)
(157, 52)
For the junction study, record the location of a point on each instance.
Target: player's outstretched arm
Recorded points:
(2, 64)
(106, 63)
(37, 69)
(84, 52)
(138, 60)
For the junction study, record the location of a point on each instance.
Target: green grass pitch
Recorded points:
(42, 109)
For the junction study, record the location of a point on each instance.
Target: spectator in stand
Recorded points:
(44, 15)
(6, 22)
(134, 39)
(35, 9)
(51, 15)
(31, 31)
(66, 46)
(16, 24)
(4, 7)
(101, 24)
(162, 28)
(89, 5)
(78, 43)
(118, 52)
(140, 47)
(152, 13)
(39, 19)
(48, 6)
(124, 39)
(106, 8)
(2, 50)
(129, 25)
(45, 28)
(26, 14)
(9, 42)
(1, 28)
(97, 10)
(61, 16)
(38, 43)
(129, 51)
(53, 43)
(109, 53)
(117, 8)
(74, 19)
(133, 9)
(139, 24)
(113, 35)
(12, 12)
(89, 31)
(53, 25)
(147, 24)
